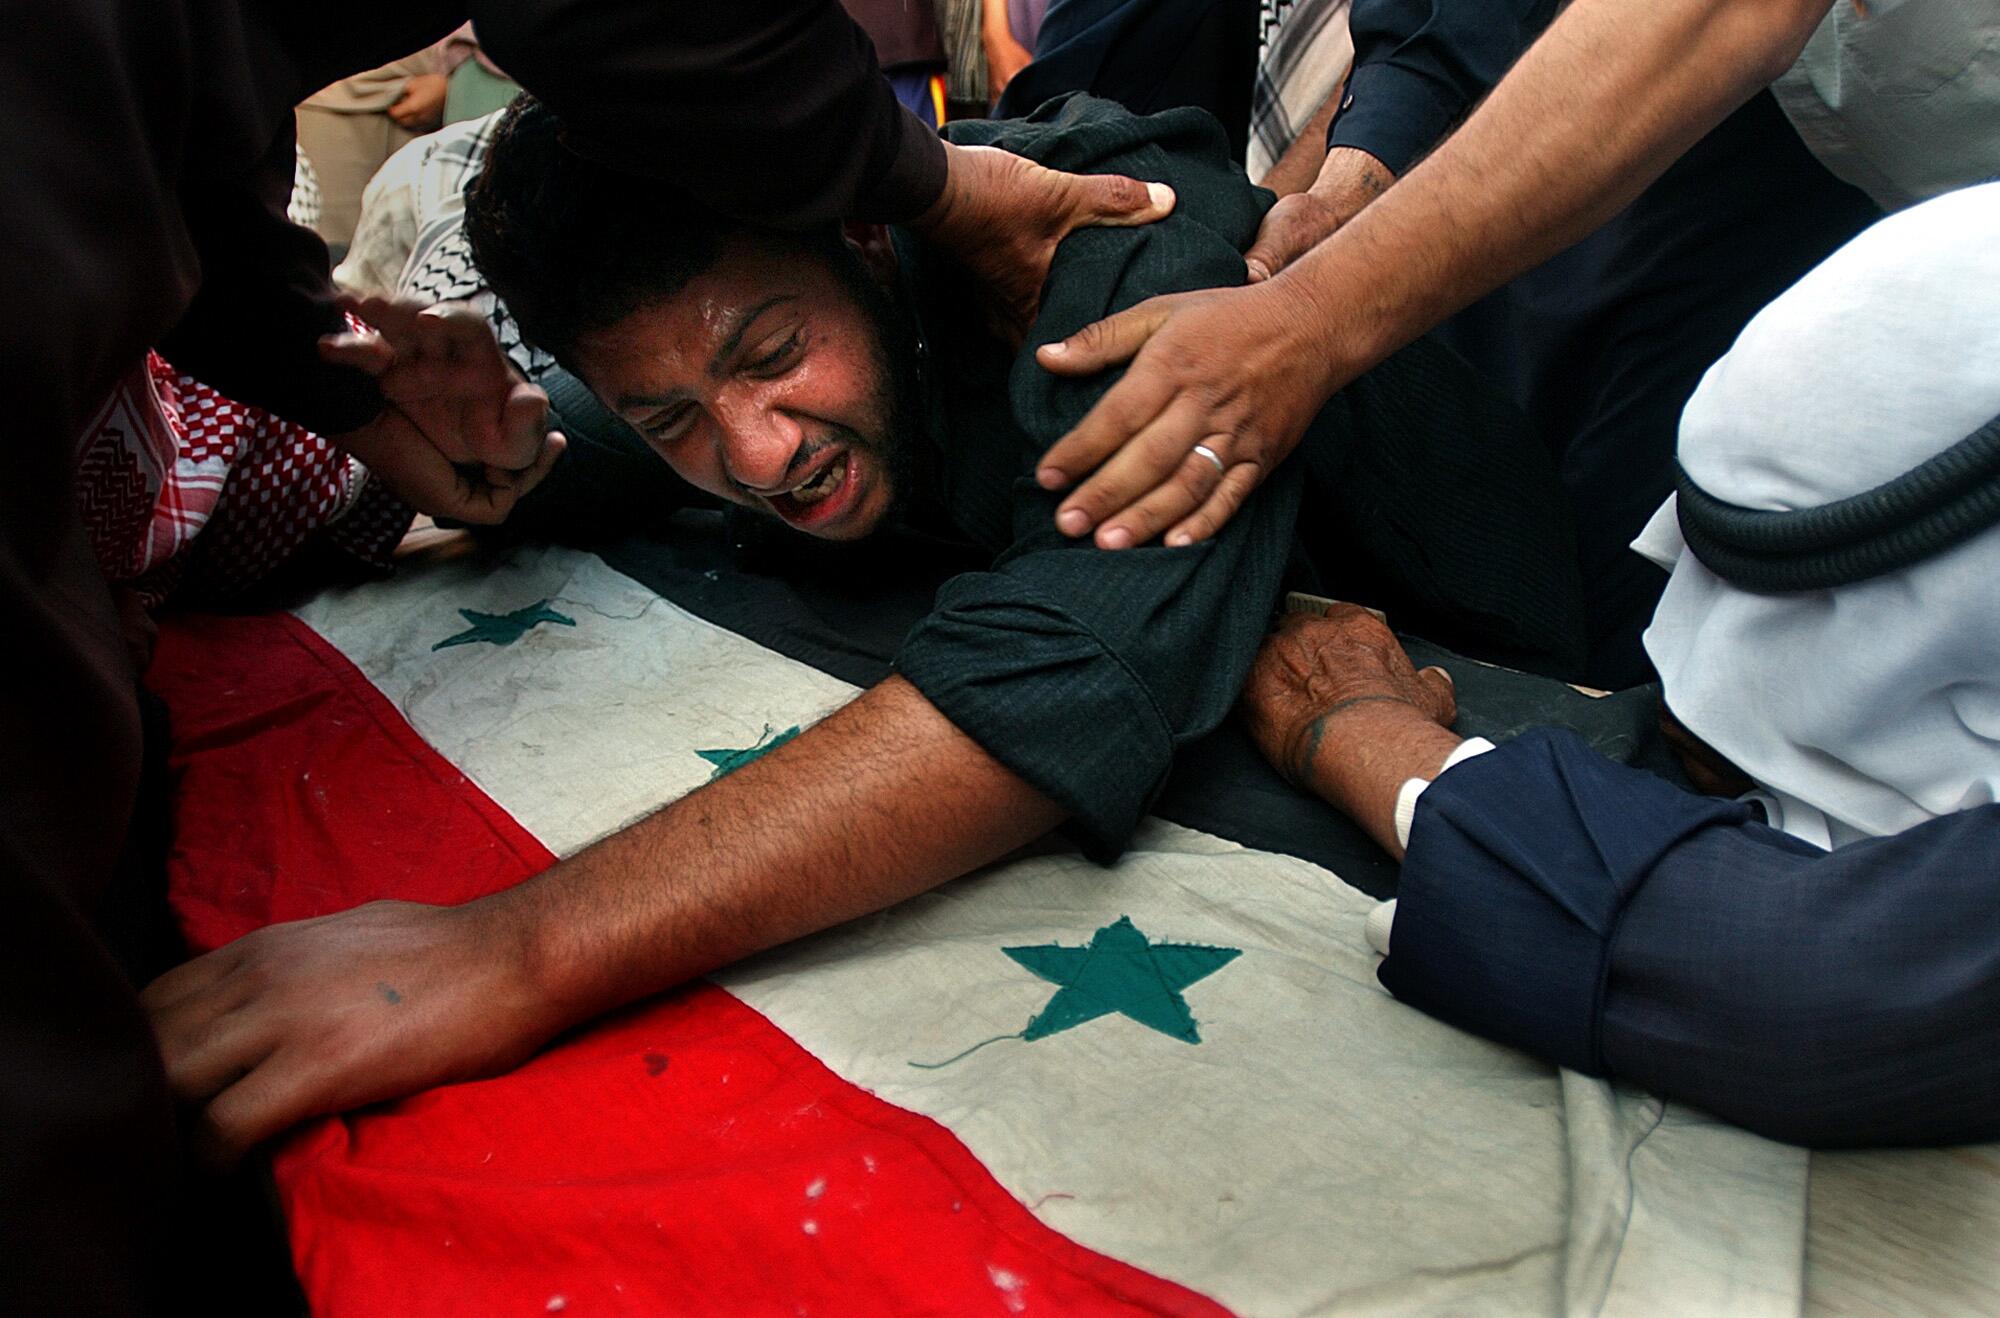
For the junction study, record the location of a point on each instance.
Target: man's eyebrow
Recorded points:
(743, 321)
(742, 327)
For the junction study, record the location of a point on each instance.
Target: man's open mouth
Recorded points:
(820, 498)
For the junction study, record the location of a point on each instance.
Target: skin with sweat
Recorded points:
(762, 382)
(882, 800)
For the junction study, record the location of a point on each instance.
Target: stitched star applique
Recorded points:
(1120, 971)
(728, 761)
(504, 628)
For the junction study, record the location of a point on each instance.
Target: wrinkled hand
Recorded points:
(1001, 217)
(1240, 371)
(1313, 668)
(1348, 180)
(463, 436)
(300, 1020)
(1005, 57)
(421, 106)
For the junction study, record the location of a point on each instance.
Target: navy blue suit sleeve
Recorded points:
(1599, 917)
(1419, 65)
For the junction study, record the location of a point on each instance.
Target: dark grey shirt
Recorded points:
(1085, 671)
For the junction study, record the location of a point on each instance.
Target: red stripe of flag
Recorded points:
(685, 1156)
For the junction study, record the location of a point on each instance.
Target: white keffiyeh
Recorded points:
(1869, 708)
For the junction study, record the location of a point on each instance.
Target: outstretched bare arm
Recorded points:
(882, 800)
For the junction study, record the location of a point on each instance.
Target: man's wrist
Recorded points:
(1308, 742)
(1364, 754)
(1349, 179)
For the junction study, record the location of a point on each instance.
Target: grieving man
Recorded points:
(839, 381)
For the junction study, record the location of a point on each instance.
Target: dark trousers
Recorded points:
(1603, 345)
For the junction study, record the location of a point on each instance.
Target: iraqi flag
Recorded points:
(1168, 1086)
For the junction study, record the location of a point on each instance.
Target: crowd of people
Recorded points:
(1614, 342)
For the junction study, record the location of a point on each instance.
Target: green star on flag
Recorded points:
(728, 761)
(504, 628)
(1120, 971)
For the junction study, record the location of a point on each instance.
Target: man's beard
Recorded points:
(893, 354)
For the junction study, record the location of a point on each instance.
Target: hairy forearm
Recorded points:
(882, 800)
(1305, 157)
(1595, 111)
(1359, 754)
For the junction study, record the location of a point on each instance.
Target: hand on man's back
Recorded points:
(1001, 216)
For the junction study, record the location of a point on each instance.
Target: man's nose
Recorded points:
(759, 442)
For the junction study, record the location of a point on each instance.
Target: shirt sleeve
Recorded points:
(1603, 919)
(1083, 671)
(1419, 65)
(769, 111)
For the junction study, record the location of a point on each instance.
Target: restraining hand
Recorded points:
(1001, 216)
(463, 436)
(1238, 371)
(1238, 375)
(318, 1016)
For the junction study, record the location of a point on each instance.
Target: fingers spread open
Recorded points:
(1126, 408)
(1182, 492)
(1138, 466)
(1222, 504)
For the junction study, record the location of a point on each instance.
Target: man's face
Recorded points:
(764, 381)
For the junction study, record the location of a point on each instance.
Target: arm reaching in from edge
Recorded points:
(882, 800)
(1597, 109)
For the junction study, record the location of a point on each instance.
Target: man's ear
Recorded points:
(871, 242)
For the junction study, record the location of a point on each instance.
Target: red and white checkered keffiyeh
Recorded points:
(186, 491)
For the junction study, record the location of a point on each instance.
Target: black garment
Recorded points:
(1602, 346)
(147, 152)
(1085, 671)
(905, 33)
(1419, 65)
(1148, 56)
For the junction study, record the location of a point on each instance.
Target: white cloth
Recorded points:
(1901, 98)
(411, 243)
(1304, 56)
(1870, 708)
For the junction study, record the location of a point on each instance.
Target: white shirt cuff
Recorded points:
(1382, 920)
(1406, 796)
